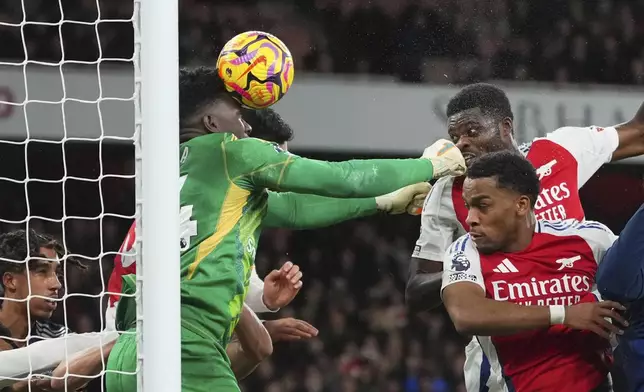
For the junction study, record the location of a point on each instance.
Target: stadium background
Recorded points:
(397, 55)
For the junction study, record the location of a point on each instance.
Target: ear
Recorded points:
(9, 281)
(507, 127)
(524, 205)
(210, 119)
(210, 123)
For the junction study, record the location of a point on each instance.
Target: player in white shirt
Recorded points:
(480, 120)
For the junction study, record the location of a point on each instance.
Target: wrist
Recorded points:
(557, 314)
(271, 307)
(383, 203)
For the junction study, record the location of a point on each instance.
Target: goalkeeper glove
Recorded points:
(408, 199)
(446, 159)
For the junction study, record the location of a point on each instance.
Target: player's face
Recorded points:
(224, 115)
(42, 284)
(494, 214)
(476, 134)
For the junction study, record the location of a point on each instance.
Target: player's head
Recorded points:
(268, 125)
(479, 120)
(37, 277)
(205, 106)
(500, 191)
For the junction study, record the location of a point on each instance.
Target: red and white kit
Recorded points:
(565, 159)
(558, 268)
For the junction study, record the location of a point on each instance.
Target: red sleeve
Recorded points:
(124, 264)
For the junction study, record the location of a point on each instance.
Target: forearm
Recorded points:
(473, 315)
(255, 295)
(620, 275)
(423, 291)
(253, 347)
(241, 363)
(81, 369)
(350, 179)
(423, 284)
(302, 211)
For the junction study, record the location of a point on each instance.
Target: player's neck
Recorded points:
(13, 316)
(523, 237)
(190, 133)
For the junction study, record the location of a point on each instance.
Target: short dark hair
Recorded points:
(13, 246)
(490, 99)
(197, 87)
(268, 125)
(511, 171)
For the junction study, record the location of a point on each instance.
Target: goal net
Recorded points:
(88, 103)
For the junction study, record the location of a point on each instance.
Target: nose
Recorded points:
(463, 143)
(472, 219)
(247, 128)
(54, 284)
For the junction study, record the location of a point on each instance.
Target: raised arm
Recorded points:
(620, 275)
(437, 231)
(631, 137)
(256, 163)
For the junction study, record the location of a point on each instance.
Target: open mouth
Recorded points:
(476, 236)
(468, 156)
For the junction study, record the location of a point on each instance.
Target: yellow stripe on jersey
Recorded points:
(231, 212)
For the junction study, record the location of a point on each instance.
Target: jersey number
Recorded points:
(187, 226)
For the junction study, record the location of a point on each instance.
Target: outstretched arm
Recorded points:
(255, 163)
(620, 275)
(300, 211)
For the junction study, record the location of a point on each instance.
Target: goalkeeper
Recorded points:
(224, 177)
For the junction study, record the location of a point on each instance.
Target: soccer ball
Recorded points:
(257, 68)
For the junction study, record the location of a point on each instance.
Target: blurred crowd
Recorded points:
(411, 40)
(354, 273)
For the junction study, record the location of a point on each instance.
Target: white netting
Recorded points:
(68, 104)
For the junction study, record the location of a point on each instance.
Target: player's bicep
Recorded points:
(631, 139)
(590, 146)
(461, 264)
(437, 225)
(460, 295)
(260, 162)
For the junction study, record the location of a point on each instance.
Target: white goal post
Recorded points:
(157, 47)
(50, 104)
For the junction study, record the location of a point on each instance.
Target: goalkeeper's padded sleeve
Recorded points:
(300, 211)
(620, 275)
(253, 163)
(255, 295)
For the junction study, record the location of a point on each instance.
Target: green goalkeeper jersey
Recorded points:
(224, 199)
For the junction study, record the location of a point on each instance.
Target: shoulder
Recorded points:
(594, 233)
(570, 227)
(440, 195)
(48, 330)
(462, 254)
(590, 138)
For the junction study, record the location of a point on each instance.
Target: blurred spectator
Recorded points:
(566, 41)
